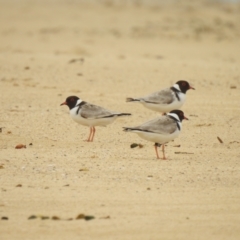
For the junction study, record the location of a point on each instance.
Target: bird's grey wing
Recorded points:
(161, 125)
(164, 96)
(91, 111)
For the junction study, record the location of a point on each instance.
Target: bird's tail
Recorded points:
(129, 129)
(132, 100)
(117, 114)
(124, 114)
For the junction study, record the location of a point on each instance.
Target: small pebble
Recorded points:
(19, 146)
(32, 217)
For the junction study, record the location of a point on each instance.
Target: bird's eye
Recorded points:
(183, 84)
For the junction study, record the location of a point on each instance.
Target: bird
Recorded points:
(90, 115)
(160, 130)
(167, 99)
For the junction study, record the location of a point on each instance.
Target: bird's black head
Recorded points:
(180, 114)
(71, 101)
(184, 86)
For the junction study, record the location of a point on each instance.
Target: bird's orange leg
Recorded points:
(163, 151)
(93, 133)
(156, 150)
(89, 137)
(156, 145)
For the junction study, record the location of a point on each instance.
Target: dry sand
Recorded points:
(123, 50)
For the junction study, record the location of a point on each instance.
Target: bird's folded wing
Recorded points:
(162, 125)
(91, 111)
(165, 96)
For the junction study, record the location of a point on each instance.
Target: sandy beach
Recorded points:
(104, 52)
